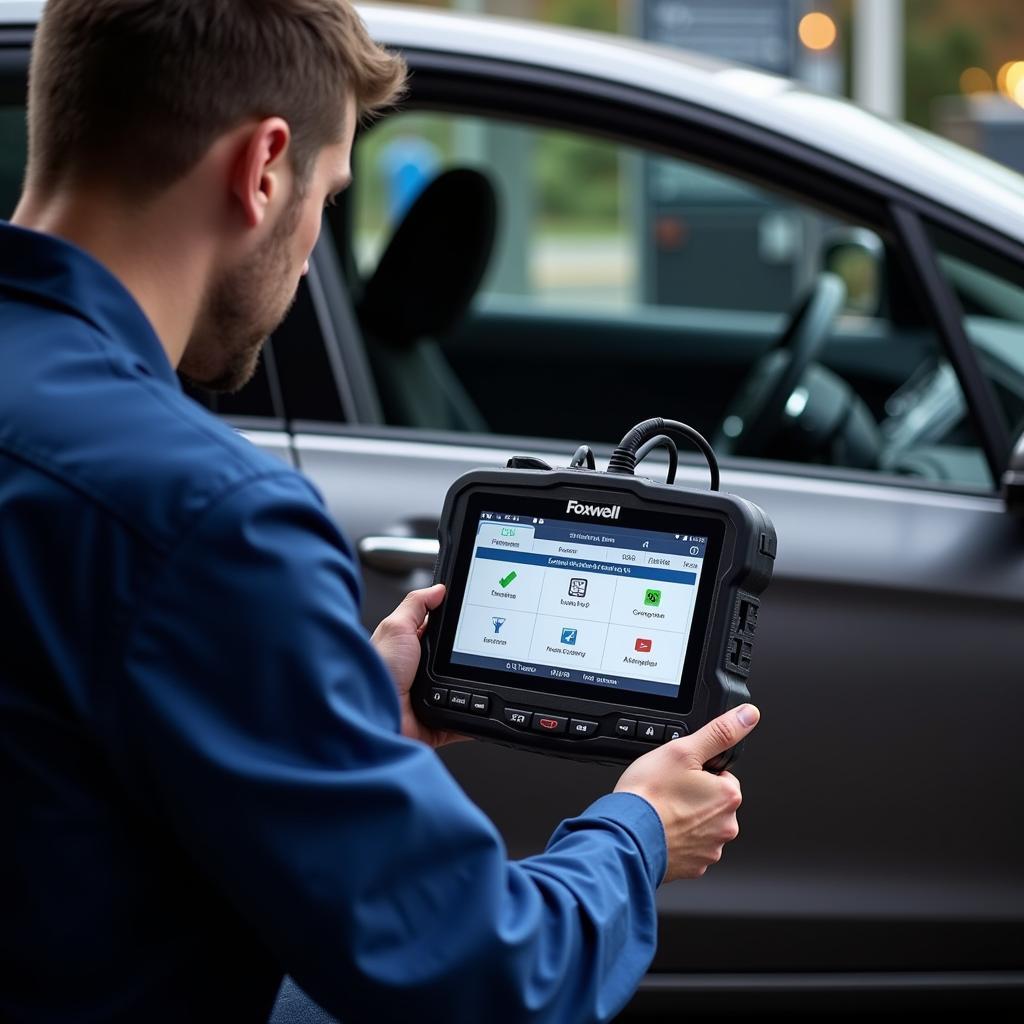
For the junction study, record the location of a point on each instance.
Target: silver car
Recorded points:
(559, 234)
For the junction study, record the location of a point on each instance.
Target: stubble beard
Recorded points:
(242, 308)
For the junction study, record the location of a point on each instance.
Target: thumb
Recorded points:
(409, 615)
(722, 733)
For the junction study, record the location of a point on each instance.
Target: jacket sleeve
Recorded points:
(267, 734)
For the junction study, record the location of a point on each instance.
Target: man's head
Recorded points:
(129, 97)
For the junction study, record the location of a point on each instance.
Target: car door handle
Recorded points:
(398, 555)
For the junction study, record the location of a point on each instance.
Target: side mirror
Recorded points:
(857, 256)
(1013, 480)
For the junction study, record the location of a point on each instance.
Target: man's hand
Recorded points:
(397, 640)
(697, 809)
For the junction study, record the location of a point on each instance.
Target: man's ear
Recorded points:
(261, 168)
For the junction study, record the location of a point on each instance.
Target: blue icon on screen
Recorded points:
(569, 637)
(497, 623)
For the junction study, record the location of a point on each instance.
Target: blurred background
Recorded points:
(937, 49)
(604, 226)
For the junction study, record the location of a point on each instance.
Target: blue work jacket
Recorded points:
(202, 781)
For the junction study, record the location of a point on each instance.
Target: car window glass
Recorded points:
(622, 284)
(13, 142)
(991, 293)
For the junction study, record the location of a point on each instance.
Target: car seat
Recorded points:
(421, 289)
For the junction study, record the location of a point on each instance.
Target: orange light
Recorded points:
(1014, 78)
(817, 31)
(1009, 75)
(1018, 93)
(975, 80)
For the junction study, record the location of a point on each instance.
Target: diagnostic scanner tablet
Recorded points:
(592, 614)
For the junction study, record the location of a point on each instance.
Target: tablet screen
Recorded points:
(579, 604)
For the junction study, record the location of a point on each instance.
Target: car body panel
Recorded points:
(862, 802)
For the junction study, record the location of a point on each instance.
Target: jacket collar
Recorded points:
(51, 272)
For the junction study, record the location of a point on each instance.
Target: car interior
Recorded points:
(412, 298)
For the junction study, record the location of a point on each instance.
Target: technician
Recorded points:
(209, 776)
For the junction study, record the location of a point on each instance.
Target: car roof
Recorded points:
(909, 157)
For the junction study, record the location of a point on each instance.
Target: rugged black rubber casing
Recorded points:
(744, 570)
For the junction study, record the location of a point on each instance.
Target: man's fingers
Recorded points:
(409, 615)
(722, 733)
(432, 596)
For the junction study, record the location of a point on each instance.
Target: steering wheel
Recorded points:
(755, 415)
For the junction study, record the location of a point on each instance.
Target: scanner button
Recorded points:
(458, 699)
(438, 695)
(543, 722)
(479, 705)
(580, 728)
(649, 732)
(626, 727)
(517, 719)
(674, 731)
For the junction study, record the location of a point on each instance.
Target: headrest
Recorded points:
(434, 262)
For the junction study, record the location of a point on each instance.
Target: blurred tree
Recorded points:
(600, 15)
(935, 61)
(945, 37)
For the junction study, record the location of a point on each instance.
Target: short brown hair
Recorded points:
(136, 91)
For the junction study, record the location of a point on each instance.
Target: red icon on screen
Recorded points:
(642, 645)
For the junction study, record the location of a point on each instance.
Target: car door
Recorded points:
(888, 652)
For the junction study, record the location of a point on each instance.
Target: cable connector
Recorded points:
(624, 458)
(622, 461)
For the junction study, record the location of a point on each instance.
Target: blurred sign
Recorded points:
(989, 124)
(707, 239)
(756, 32)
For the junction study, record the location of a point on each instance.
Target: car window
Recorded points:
(587, 221)
(13, 143)
(620, 284)
(991, 293)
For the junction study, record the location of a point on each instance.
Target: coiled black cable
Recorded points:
(624, 458)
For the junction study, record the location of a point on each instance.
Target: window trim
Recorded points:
(339, 334)
(940, 297)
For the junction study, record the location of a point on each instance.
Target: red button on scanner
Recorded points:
(549, 723)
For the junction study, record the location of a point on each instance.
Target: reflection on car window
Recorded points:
(589, 222)
(621, 284)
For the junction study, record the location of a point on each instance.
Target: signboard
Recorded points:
(761, 33)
